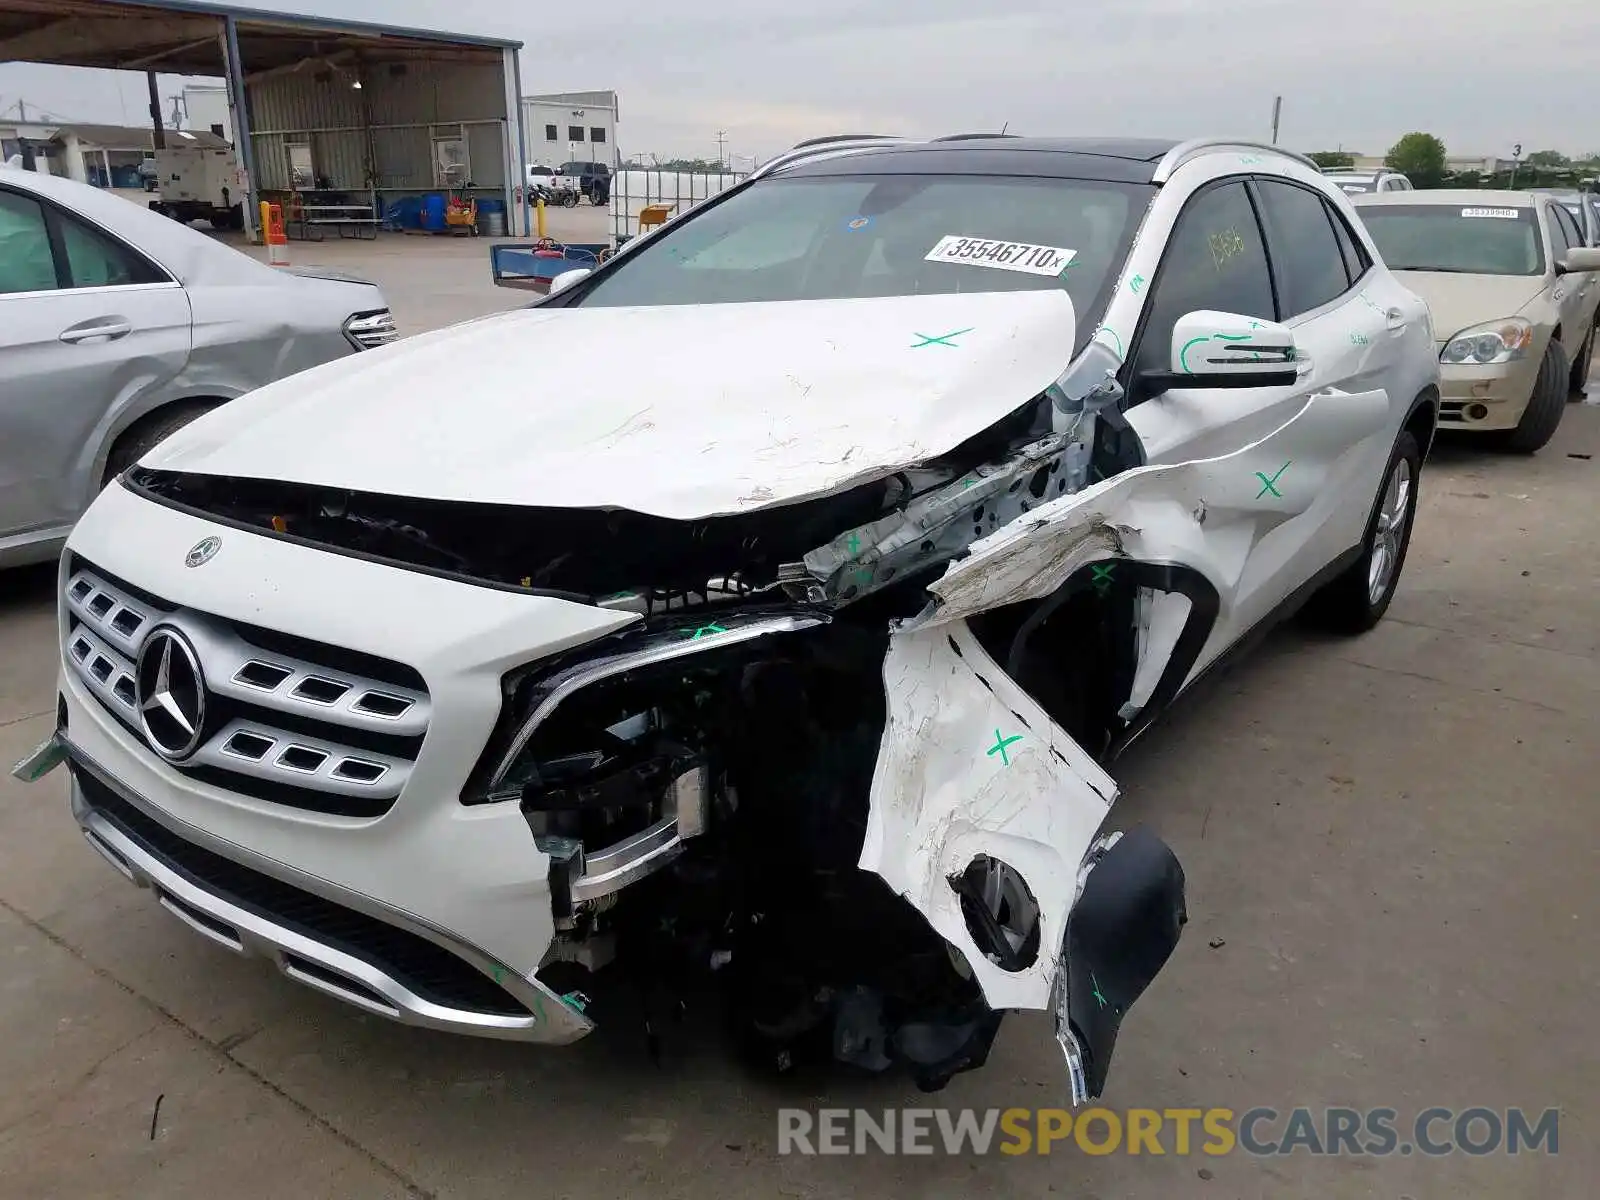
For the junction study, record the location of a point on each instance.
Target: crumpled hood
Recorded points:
(1459, 301)
(680, 410)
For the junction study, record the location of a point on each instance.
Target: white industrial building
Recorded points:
(564, 126)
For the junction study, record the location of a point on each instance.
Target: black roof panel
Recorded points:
(1121, 160)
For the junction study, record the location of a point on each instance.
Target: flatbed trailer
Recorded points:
(530, 266)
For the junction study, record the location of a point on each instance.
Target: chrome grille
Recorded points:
(294, 727)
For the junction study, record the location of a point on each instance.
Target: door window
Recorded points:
(95, 259)
(1356, 261)
(1562, 224)
(26, 262)
(1215, 260)
(1310, 266)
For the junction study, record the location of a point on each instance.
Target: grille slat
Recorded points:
(288, 720)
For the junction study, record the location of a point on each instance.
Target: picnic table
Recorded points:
(348, 220)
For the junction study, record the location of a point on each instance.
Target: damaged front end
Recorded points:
(873, 817)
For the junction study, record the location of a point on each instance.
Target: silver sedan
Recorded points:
(119, 326)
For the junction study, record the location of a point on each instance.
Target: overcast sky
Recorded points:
(1481, 74)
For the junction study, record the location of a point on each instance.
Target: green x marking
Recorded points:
(854, 544)
(1000, 745)
(942, 340)
(1267, 484)
(1097, 994)
(1102, 575)
(703, 631)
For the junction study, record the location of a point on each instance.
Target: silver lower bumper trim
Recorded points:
(314, 963)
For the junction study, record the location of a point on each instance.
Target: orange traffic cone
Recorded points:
(272, 233)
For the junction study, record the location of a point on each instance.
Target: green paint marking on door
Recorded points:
(854, 543)
(1136, 284)
(1102, 577)
(1000, 744)
(942, 339)
(1098, 995)
(1267, 485)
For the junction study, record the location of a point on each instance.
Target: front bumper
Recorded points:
(1485, 398)
(467, 879)
(375, 963)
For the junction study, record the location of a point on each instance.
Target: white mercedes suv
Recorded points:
(794, 656)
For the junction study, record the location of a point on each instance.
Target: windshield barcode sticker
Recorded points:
(1505, 214)
(1008, 256)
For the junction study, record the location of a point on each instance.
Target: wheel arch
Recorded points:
(1422, 422)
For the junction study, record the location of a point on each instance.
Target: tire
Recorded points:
(1354, 600)
(148, 432)
(1580, 365)
(1546, 406)
(570, 200)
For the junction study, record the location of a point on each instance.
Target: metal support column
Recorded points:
(519, 153)
(239, 111)
(158, 137)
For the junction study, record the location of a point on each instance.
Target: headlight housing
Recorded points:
(368, 330)
(1490, 343)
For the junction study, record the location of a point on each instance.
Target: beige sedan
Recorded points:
(1513, 294)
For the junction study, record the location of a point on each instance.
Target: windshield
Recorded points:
(853, 236)
(1475, 240)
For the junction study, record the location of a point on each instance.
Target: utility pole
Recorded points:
(722, 140)
(1277, 111)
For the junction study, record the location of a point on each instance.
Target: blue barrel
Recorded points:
(433, 212)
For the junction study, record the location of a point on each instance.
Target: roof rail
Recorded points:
(822, 147)
(1184, 151)
(839, 137)
(972, 137)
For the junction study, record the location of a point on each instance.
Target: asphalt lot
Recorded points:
(1390, 849)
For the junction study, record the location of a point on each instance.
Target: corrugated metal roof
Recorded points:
(591, 99)
(133, 137)
(179, 36)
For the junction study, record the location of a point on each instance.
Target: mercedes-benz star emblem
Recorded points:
(204, 551)
(171, 693)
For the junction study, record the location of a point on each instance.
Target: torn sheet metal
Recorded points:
(1162, 616)
(971, 766)
(1211, 515)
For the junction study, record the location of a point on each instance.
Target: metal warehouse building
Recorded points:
(314, 102)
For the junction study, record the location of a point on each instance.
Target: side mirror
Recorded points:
(1582, 258)
(1218, 349)
(567, 278)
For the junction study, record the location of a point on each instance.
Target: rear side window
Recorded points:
(95, 259)
(1560, 239)
(1568, 225)
(1215, 260)
(26, 262)
(1310, 266)
(1356, 260)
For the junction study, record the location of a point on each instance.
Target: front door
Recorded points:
(85, 323)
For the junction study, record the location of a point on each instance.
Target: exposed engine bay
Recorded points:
(727, 786)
